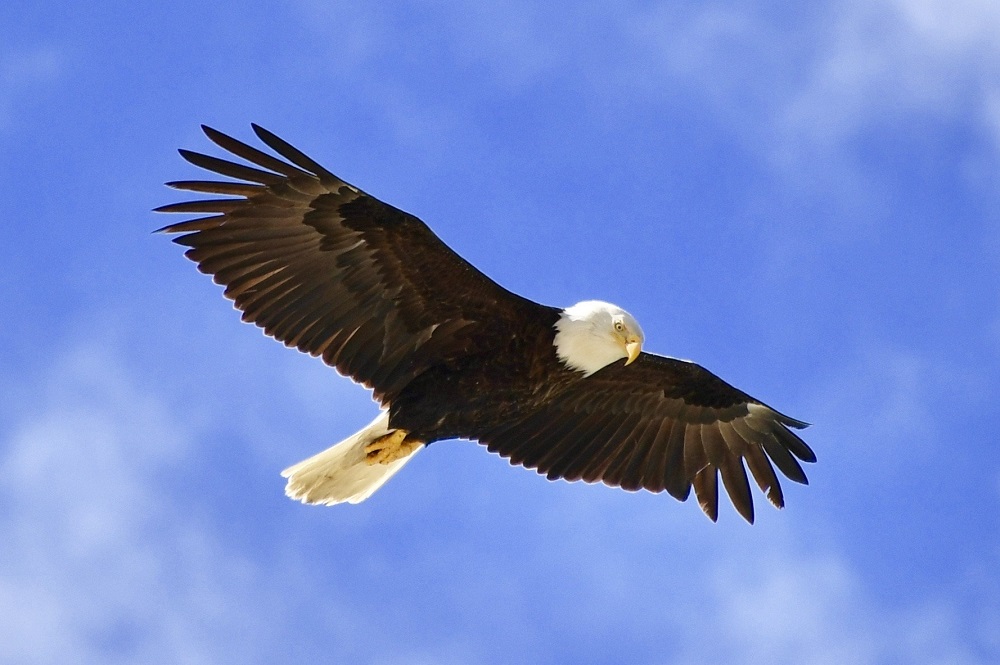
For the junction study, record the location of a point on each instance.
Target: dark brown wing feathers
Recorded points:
(660, 424)
(324, 267)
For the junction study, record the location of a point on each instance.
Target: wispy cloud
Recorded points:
(21, 71)
(800, 90)
(814, 609)
(880, 59)
(97, 564)
(844, 66)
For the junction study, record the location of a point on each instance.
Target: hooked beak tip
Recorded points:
(633, 349)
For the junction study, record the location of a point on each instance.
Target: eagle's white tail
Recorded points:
(340, 473)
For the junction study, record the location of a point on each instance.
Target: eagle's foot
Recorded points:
(390, 447)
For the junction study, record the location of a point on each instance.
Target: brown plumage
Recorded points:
(325, 268)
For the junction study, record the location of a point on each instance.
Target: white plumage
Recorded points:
(587, 339)
(340, 473)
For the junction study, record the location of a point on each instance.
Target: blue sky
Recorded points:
(802, 198)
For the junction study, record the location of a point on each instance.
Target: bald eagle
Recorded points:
(324, 267)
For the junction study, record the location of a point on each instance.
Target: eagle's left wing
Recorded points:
(332, 271)
(659, 424)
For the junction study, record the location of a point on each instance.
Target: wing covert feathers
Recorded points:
(660, 424)
(325, 268)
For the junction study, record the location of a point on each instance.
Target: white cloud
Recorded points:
(797, 88)
(793, 83)
(21, 71)
(814, 610)
(953, 25)
(893, 405)
(878, 59)
(100, 563)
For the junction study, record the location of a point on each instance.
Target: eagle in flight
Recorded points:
(324, 267)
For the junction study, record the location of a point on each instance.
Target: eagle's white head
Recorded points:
(592, 334)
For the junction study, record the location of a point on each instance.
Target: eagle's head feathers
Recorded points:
(592, 334)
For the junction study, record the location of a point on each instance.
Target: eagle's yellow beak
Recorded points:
(633, 349)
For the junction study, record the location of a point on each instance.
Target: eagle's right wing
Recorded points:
(659, 424)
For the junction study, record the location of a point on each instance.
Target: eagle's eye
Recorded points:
(619, 326)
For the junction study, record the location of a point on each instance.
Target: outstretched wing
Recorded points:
(659, 424)
(324, 267)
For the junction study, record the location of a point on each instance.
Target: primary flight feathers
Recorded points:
(449, 353)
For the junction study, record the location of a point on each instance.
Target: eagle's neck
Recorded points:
(581, 341)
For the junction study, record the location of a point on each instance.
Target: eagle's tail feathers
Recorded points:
(341, 473)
